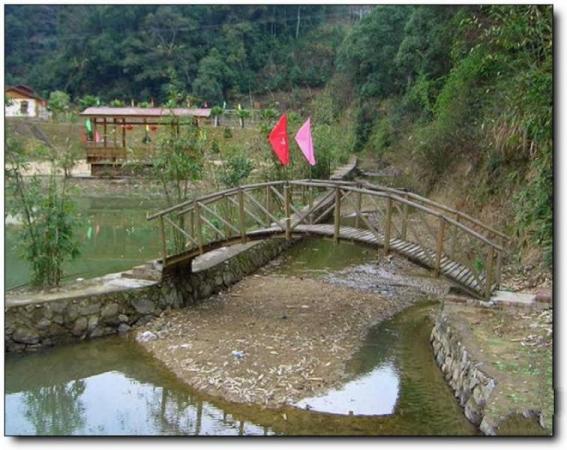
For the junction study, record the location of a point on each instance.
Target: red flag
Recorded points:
(279, 140)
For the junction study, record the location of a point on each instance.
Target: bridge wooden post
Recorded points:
(242, 217)
(439, 250)
(405, 217)
(192, 222)
(489, 275)
(287, 211)
(388, 225)
(199, 226)
(337, 214)
(358, 207)
(268, 204)
(498, 269)
(311, 200)
(163, 241)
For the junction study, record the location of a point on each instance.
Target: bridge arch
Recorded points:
(447, 241)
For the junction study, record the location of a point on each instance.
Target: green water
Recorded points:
(114, 236)
(319, 257)
(111, 386)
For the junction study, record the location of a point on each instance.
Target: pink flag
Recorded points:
(305, 141)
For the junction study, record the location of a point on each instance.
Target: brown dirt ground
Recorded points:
(296, 335)
(514, 346)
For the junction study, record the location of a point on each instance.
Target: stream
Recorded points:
(110, 386)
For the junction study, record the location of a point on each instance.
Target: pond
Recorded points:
(111, 386)
(114, 236)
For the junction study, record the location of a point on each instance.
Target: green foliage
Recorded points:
(215, 148)
(116, 103)
(217, 111)
(132, 51)
(88, 100)
(227, 133)
(178, 161)
(47, 236)
(236, 168)
(59, 102)
(368, 52)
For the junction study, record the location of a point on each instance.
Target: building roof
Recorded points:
(106, 111)
(25, 91)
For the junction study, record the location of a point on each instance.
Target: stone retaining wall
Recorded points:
(33, 325)
(471, 385)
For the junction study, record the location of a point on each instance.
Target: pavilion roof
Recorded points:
(107, 111)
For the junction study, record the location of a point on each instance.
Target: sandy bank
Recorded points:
(268, 340)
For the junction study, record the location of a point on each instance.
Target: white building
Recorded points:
(22, 101)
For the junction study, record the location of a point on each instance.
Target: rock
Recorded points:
(123, 328)
(25, 336)
(97, 332)
(144, 320)
(92, 323)
(143, 306)
(109, 310)
(89, 309)
(72, 312)
(58, 319)
(43, 324)
(123, 318)
(80, 326)
(146, 336)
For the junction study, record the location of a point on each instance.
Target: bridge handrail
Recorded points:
(420, 198)
(369, 189)
(212, 196)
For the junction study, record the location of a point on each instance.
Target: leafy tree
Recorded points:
(49, 221)
(59, 102)
(89, 100)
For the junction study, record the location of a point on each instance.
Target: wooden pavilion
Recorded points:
(111, 136)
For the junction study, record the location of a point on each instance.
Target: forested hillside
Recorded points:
(459, 98)
(147, 51)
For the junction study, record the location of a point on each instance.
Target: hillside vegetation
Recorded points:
(457, 98)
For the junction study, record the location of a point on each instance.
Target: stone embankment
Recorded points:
(471, 385)
(116, 302)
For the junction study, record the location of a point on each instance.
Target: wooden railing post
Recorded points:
(358, 208)
(287, 212)
(199, 226)
(192, 222)
(454, 240)
(439, 250)
(489, 275)
(388, 225)
(163, 241)
(337, 213)
(268, 203)
(498, 268)
(405, 216)
(311, 200)
(242, 217)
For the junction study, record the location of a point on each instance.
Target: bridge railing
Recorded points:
(433, 235)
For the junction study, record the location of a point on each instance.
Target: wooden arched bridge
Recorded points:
(443, 239)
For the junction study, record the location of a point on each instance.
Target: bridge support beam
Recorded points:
(337, 213)
(241, 214)
(287, 212)
(439, 249)
(388, 225)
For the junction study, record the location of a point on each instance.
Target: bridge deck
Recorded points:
(414, 252)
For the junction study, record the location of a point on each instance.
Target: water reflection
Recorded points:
(124, 399)
(372, 394)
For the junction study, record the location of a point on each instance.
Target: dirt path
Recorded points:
(268, 340)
